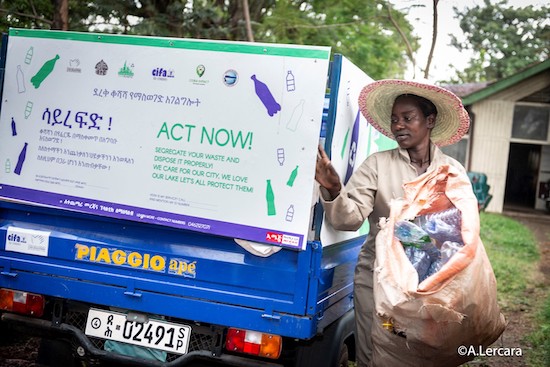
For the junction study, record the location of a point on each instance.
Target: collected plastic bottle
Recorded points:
(442, 226)
(411, 234)
(420, 260)
(419, 247)
(448, 249)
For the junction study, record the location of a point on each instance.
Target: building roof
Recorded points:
(471, 95)
(465, 89)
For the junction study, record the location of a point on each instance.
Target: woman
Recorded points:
(420, 117)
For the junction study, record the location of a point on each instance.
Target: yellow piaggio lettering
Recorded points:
(118, 257)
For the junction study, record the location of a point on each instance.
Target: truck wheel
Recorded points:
(55, 353)
(330, 349)
(344, 356)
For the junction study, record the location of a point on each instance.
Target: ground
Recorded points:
(19, 351)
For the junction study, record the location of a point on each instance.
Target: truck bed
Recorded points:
(177, 273)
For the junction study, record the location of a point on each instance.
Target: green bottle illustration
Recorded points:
(270, 199)
(44, 71)
(292, 177)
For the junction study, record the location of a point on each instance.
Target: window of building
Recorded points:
(531, 122)
(458, 151)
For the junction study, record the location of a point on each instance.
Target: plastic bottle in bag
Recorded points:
(442, 226)
(419, 247)
(448, 249)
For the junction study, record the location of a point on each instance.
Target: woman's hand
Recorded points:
(326, 175)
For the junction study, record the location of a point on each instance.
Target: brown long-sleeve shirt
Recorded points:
(368, 193)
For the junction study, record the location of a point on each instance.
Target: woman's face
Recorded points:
(408, 124)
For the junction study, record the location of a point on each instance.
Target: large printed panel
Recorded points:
(353, 140)
(212, 136)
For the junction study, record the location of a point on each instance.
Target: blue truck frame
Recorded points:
(306, 296)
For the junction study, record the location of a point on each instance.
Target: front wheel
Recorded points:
(344, 356)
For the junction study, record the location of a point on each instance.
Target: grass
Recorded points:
(540, 337)
(514, 253)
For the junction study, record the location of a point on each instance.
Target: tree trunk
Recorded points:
(246, 11)
(61, 15)
(434, 38)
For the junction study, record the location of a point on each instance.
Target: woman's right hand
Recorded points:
(326, 175)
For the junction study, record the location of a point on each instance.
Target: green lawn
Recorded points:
(513, 252)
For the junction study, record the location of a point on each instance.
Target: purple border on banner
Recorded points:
(120, 211)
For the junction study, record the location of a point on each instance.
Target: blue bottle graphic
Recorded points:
(13, 127)
(21, 160)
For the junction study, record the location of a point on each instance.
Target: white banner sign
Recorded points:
(212, 136)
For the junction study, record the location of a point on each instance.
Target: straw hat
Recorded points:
(376, 102)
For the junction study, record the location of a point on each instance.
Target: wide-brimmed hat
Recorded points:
(376, 103)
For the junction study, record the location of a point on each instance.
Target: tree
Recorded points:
(363, 31)
(369, 32)
(503, 39)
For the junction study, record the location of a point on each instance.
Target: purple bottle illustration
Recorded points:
(21, 160)
(281, 156)
(353, 148)
(13, 127)
(44, 71)
(263, 92)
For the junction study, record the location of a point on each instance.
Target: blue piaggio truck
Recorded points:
(97, 296)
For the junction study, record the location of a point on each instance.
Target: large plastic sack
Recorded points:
(425, 324)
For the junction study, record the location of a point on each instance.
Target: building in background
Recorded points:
(509, 138)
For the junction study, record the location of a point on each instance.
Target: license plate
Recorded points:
(157, 334)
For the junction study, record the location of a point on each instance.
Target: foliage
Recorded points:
(360, 30)
(504, 39)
